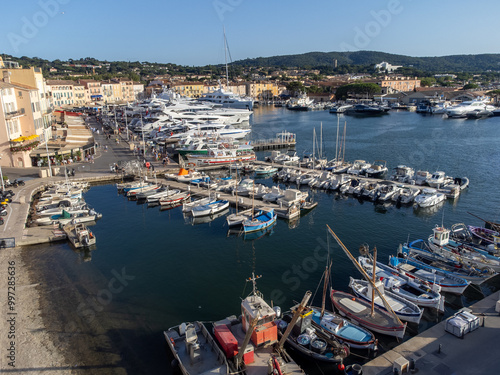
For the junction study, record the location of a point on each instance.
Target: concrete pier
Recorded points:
(436, 351)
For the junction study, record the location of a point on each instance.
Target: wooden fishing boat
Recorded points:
(250, 342)
(175, 199)
(360, 311)
(354, 335)
(368, 315)
(416, 270)
(484, 234)
(413, 290)
(311, 340)
(260, 222)
(404, 309)
(211, 208)
(195, 351)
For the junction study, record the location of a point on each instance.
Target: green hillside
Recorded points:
(456, 63)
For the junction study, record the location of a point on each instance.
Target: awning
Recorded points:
(95, 96)
(23, 138)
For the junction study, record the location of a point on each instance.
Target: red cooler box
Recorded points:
(248, 354)
(227, 340)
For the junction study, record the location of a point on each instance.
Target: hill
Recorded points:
(455, 63)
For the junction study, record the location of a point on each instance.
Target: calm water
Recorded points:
(185, 272)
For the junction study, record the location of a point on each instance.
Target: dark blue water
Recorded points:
(184, 272)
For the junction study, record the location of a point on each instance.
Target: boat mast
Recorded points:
(325, 287)
(314, 141)
(365, 275)
(337, 142)
(374, 275)
(321, 142)
(343, 149)
(225, 57)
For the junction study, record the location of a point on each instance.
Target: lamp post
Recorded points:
(47, 149)
(1, 176)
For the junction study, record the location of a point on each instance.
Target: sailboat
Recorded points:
(364, 313)
(338, 165)
(226, 98)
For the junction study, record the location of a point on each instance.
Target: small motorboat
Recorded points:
(429, 197)
(79, 235)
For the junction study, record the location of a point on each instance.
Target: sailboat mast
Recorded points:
(337, 142)
(225, 57)
(314, 141)
(343, 150)
(321, 142)
(374, 276)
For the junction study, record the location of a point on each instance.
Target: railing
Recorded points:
(18, 112)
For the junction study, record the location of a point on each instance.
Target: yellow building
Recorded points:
(190, 89)
(262, 90)
(396, 84)
(30, 77)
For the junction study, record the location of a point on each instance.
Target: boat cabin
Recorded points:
(441, 236)
(266, 330)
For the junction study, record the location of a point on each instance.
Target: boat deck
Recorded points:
(207, 361)
(262, 355)
(361, 310)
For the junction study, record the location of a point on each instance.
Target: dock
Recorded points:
(282, 140)
(436, 351)
(244, 203)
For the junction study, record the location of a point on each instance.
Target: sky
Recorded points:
(190, 32)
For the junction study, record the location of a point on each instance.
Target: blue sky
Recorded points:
(190, 32)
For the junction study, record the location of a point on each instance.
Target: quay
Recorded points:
(436, 351)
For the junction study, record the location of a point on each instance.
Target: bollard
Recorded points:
(439, 350)
(482, 324)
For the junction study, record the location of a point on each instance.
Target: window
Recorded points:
(20, 94)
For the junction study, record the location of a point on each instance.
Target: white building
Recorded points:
(385, 66)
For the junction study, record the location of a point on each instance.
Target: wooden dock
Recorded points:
(244, 203)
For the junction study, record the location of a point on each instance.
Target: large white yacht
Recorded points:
(461, 110)
(227, 99)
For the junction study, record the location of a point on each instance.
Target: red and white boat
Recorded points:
(220, 157)
(174, 199)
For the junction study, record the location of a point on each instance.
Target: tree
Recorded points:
(295, 87)
(470, 86)
(427, 81)
(362, 89)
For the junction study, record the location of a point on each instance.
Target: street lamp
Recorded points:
(1, 176)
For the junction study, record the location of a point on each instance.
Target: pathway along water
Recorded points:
(153, 269)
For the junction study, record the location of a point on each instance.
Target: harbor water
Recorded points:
(167, 269)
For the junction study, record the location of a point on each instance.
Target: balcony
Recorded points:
(13, 114)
